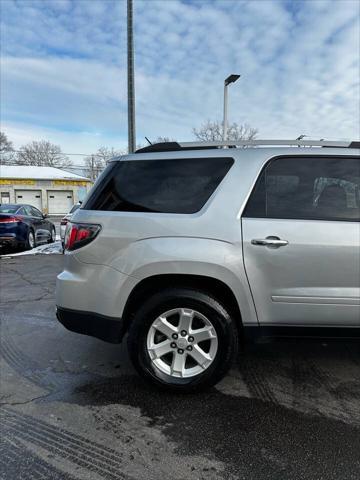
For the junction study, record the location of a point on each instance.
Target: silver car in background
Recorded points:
(192, 248)
(65, 220)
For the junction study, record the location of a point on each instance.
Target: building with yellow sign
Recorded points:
(49, 189)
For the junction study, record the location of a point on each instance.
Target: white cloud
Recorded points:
(80, 143)
(64, 67)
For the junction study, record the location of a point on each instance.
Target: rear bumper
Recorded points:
(9, 239)
(92, 324)
(93, 288)
(13, 233)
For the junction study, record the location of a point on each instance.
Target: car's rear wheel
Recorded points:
(30, 241)
(52, 236)
(183, 340)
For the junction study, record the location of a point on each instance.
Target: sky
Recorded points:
(63, 69)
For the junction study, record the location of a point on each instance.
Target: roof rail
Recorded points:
(174, 146)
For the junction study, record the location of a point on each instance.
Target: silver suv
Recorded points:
(190, 248)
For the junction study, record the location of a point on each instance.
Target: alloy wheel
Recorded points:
(31, 240)
(182, 342)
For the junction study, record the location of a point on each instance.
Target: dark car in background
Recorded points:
(24, 226)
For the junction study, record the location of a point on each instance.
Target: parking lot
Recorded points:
(73, 408)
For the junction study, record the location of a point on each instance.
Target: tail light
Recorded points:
(80, 234)
(10, 220)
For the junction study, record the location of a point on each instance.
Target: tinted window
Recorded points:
(164, 186)
(27, 210)
(21, 211)
(9, 208)
(35, 212)
(308, 188)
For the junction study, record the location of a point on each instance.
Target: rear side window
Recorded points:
(308, 188)
(27, 210)
(35, 212)
(162, 186)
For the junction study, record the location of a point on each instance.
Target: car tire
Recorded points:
(165, 372)
(53, 235)
(30, 240)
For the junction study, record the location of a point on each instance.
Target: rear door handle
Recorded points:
(274, 242)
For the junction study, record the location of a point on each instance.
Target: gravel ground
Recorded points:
(73, 408)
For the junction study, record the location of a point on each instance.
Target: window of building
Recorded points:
(5, 198)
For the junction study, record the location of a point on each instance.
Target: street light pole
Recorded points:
(230, 79)
(225, 112)
(130, 79)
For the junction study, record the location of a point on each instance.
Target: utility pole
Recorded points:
(92, 168)
(130, 78)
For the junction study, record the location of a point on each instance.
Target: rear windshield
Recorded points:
(9, 208)
(162, 186)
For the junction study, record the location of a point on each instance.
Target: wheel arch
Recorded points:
(213, 286)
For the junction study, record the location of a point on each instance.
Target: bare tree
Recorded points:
(164, 140)
(95, 164)
(5, 144)
(213, 131)
(157, 140)
(44, 154)
(106, 154)
(7, 153)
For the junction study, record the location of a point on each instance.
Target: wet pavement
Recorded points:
(72, 407)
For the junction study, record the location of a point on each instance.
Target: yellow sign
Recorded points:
(16, 181)
(73, 183)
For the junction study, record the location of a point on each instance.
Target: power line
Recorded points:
(63, 153)
(70, 167)
(81, 166)
(10, 162)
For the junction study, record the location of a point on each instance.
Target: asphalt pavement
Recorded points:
(73, 408)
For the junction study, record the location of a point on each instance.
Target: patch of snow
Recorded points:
(47, 249)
